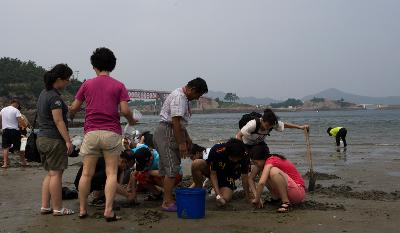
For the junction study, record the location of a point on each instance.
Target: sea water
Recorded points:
(370, 133)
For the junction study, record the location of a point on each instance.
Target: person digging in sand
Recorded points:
(281, 178)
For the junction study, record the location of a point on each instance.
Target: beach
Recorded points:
(358, 190)
(363, 199)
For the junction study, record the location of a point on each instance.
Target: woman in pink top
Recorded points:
(104, 96)
(282, 180)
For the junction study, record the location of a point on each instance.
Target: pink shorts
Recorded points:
(296, 192)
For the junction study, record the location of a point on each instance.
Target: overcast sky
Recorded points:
(276, 49)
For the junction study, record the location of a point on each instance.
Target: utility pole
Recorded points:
(77, 74)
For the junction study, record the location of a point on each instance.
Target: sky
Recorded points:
(278, 49)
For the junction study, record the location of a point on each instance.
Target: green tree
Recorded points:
(24, 80)
(289, 102)
(231, 97)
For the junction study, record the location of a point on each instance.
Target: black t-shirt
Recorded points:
(220, 162)
(48, 101)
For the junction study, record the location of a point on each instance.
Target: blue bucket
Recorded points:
(191, 202)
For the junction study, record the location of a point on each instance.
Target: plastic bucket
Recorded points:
(191, 202)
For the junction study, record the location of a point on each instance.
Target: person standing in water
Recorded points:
(339, 133)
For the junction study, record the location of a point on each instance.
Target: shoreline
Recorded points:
(81, 115)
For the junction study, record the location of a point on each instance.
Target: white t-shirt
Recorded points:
(9, 117)
(251, 138)
(176, 104)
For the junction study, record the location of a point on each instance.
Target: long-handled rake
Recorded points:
(312, 178)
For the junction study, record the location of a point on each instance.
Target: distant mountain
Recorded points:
(336, 94)
(244, 100)
(254, 100)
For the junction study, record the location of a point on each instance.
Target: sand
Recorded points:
(361, 197)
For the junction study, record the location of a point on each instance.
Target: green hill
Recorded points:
(24, 81)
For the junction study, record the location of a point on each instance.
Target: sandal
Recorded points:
(285, 207)
(24, 164)
(113, 218)
(62, 212)
(46, 210)
(171, 208)
(82, 216)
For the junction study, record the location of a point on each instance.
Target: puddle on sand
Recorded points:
(397, 174)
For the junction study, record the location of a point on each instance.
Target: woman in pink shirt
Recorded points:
(282, 180)
(104, 97)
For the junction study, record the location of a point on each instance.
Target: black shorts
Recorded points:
(11, 137)
(229, 182)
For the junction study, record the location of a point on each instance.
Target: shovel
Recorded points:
(312, 178)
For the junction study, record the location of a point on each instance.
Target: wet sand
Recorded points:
(362, 197)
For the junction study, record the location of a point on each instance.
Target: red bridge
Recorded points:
(147, 94)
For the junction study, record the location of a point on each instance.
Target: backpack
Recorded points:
(69, 194)
(248, 117)
(31, 151)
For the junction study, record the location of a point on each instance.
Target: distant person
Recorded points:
(339, 133)
(53, 142)
(104, 96)
(281, 178)
(226, 162)
(171, 138)
(11, 121)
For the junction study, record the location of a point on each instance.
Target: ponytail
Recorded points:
(61, 71)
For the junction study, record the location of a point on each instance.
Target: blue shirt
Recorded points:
(156, 157)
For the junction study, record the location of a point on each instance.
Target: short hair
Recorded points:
(15, 101)
(61, 71)
(270, 117)
(199, 85)
(197, 149)
(103, 59)
(142, 156)
(329, 130)
(259, 152)
(148, 139)
(235, 148)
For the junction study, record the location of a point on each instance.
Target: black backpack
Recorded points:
(31, 151)
(248, 117)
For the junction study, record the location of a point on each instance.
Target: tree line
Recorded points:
(23, 80)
